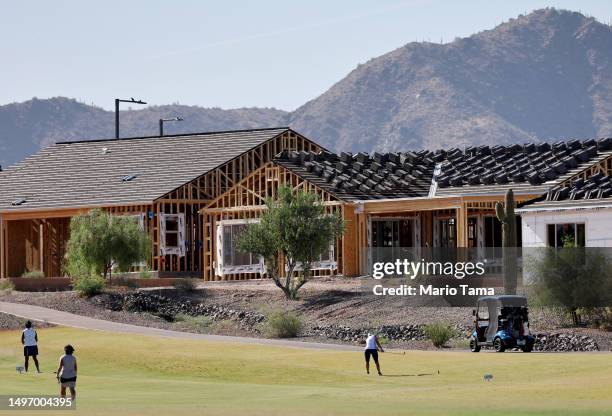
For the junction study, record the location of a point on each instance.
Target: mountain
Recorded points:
(542, 76)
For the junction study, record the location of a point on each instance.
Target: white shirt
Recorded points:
(371, 343)
(29, 337)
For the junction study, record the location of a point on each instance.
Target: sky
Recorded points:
(228, 54)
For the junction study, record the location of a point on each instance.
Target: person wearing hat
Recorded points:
(371, 350)
(29, 339)
(67, 372)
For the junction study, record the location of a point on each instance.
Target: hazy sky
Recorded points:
(224, 53)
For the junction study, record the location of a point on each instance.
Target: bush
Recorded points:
(88, 285)
(185, 285)
(145, 274)
(439, 333)
(34, 274)
(199, 323)
(6, 285)
(283, 325)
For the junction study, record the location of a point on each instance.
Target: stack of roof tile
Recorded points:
(532, 163)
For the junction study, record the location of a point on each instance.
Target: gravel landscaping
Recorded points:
(332, 310)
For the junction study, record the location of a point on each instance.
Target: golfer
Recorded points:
(371, 350)
(29, 339)
(67, 372)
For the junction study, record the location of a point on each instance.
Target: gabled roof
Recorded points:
(530, 169)
(97, 173)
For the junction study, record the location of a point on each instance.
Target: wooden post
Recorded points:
(462, 236)
(41, 246)
(2, 247)
(350, 245)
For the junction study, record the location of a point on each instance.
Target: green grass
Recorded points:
(134, 375)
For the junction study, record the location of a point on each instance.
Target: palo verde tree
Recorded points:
(505, 214)
(296, 228)
(100, 241)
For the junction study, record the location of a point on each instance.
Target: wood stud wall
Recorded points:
(246, 200)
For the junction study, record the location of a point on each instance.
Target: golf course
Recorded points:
(136, 375)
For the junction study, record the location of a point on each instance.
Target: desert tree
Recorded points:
(295, 227)
(100, 241)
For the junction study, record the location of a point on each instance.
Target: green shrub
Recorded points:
(383, 340)
(6, 285)
(88, 285)
(185, 285)
(439, 333)
(34, 274)
(145, 274)
(199, 323)
(283, 325)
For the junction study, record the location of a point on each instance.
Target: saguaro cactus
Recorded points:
(505, 214)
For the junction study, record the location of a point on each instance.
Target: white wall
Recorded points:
(598, 225)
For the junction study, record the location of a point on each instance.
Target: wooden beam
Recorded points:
(408, 205)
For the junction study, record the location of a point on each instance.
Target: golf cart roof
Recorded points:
(505, 300)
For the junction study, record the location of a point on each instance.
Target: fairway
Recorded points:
(135, 375)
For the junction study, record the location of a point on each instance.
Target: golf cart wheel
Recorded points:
(527, 348)
(474, 347)
(498, 345)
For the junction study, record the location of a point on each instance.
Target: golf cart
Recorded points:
(501, 322)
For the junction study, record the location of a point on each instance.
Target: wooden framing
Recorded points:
(187, 199)
(246, 201)
(237, 189)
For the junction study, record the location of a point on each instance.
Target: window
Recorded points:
(566, 235)
(472, 232)
(229, 258)
(392, 233)
(447, 233)
(172, 233)
(327, 260)
(231, 255)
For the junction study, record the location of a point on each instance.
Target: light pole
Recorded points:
(117, 101)
(163, 120)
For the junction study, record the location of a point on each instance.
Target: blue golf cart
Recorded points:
(501, 322)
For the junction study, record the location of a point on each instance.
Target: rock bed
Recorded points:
(390, 332)
(167, 308)
(564, 342)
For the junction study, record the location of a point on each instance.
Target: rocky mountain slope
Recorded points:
(543, 76)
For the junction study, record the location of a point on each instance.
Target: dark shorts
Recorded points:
(30, 351)
(373, 353)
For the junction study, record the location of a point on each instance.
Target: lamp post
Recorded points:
(163, 120)
(117, 101)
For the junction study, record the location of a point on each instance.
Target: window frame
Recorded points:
(223, 269)
(330, 264)
(180, 248)
(555, 226)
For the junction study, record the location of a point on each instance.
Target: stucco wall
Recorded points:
(598, 225)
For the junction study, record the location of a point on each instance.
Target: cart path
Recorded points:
(38, 313)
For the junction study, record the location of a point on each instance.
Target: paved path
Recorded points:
(53, 316)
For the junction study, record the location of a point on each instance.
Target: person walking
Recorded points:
(371, 350)
(67, 372)
(29, 339)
